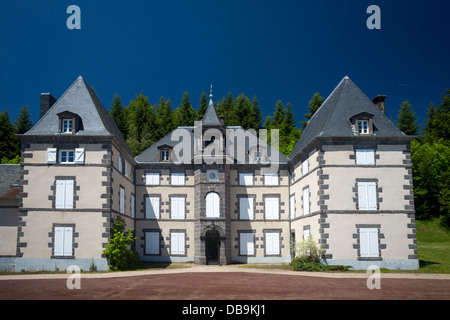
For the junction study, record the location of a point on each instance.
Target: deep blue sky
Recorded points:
(284, 50)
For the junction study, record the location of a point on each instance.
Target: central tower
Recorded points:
(212, 190)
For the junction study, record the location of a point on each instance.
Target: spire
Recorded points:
(210, 118)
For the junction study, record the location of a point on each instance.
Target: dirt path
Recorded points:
(224, 286)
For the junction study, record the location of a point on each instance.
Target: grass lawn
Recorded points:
(433, 245)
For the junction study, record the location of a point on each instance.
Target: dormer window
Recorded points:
(69, 122)
(165, 153)
(258, 155)
(362, 123)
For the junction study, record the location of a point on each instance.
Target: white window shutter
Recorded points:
(360, 157)
(373, 240)
(177, 243)
(177, 179)
(51, 155)
(364, 242)
(246, 244)
(122, 201)
(305, 167)
(362, 196)
(292, 204)
(306, 201)
(250, 244)
(58, 245)
(181, 249)
(60, 194)
(152, 208)
(370, 156)
(152, 242)
(68, 239)
(79, 155)
(152, 178)
(368, 242)
(272, 208)
(271, 179)
(181, 211)
(306, 233)
(246, 179)
(273, 243)
(125, 169)
(132, 206)
(371, 196)
(68, 194)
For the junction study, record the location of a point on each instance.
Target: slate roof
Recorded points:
(151, 154)
(332, 119)
(9, 177)
(79, 99)
(210, 118)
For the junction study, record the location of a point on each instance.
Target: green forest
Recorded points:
(143, 124)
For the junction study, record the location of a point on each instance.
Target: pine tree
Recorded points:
(202, 106)
(226, 108)
(314, 104)
(120, 115)
(165, 118)
(257, 114)
(407, 122)
(9, 143)
(23, 122)
(187, 113)
(142, 121)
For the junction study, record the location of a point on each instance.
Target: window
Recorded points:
(246, 179)
(122, 200)
(152, 242)
(63, 242)
(246, 244)
(272, 244)
(363, 127)
(177, 243)
(246, 208)
(152, 178)
(67, 125)
(306, 233)
(292, 206)
(66, 156)
(368, 243)
(365, 156)
(305, 167)
(177, 205)
(152, 208)
(164, 155)
(64, 194)
(305, 201)
(212, 205)
(132, 206)
(271, 179)
(367, 196)
(271, 208)
(177, 179)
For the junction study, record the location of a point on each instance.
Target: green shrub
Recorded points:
(310, 264)
(117, 252)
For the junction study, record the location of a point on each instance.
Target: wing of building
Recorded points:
(214, 194)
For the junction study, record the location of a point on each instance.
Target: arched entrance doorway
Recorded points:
(212, 247)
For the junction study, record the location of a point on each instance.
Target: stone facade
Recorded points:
(361, 213)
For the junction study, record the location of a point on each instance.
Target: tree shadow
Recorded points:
(423, 263)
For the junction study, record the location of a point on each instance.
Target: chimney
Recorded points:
(47, 101)
(379, 102)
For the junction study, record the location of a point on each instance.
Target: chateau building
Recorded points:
(211, 193)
